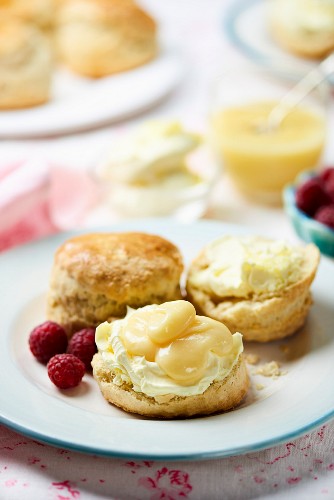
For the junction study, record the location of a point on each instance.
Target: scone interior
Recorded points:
(96, 276)
(255, 285)
(164, 361)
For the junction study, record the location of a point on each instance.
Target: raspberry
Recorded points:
(325, 215)
(82, 345)
(329, 187)
(311, 195)
(65, 370)
(46, 340)
(326, 174)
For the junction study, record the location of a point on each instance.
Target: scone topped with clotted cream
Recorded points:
(303, 27)
(165, 361)
(254, 285)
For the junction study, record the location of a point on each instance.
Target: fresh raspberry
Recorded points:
(329, 187)
(46, 340)
(311, 195)
(326, 174)
(325, 215)
(65, 370)
(82, 345)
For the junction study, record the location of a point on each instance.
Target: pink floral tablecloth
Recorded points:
(300, 469)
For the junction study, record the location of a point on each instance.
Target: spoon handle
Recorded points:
(310, 81)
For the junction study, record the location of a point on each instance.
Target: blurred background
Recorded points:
(131, 112)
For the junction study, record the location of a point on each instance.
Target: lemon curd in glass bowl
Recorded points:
(262, 161)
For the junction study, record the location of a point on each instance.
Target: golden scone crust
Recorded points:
(219, 396)
(96, 276)
(262, 319)
(101, 37)
(25, 65)
(38, 12)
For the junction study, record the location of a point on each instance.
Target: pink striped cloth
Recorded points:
(38, 199)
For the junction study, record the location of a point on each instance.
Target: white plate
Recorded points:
(82, 420)
(79, 103)
(245, 25)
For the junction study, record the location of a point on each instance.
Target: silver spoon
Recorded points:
(309, 82)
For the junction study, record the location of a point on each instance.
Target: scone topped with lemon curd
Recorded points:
(95, 276)
(165, 361)
(255, 285)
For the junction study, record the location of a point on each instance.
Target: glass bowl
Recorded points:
(260, 163)
(181, 196)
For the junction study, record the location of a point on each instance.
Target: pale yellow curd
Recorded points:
(168, 349)
(261, 163)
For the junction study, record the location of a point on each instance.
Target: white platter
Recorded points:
(81, 103)
(245, 25)
(80, 419)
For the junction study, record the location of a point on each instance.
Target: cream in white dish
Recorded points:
(150, 172)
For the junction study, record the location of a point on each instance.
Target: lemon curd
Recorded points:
(168, 349)
(262, 162)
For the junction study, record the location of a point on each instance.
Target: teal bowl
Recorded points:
(307, 228)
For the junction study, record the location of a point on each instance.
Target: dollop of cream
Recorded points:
(156, 150)
(247, 266)
(168, 349)
(307, 15)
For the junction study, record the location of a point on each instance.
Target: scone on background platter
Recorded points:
(303, 27)
(257, 286)
(96, 38)
(37, 12)
(25, 65)
(96, 276)
(164, 361)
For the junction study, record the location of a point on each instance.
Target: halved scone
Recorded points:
(254, 285)
(164, 361)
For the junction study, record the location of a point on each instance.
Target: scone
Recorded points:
(303, 27)
(95, 277)
(25, 65)
(96, 38)
(164, 361)
(257, 286)
(38, 12)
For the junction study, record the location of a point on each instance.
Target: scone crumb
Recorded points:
(271, 369)
(259, 387)
(252, 359)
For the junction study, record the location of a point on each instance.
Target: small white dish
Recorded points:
(185, 197)
(80, 419)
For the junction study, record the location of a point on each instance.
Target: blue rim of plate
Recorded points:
(230, 27)
(46, 438)
(269, 443)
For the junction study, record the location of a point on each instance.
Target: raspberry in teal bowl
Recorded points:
(306, 227)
